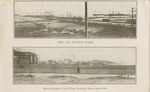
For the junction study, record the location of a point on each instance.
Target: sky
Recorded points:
(118, 55)
(109, 7)
(58, 8)
(75, 8)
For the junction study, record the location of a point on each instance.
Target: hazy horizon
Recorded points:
(73, 8)
(118, 55)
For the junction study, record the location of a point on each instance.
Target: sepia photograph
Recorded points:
(75, 20)
(112, 19)
(49, 19)
(74, 65)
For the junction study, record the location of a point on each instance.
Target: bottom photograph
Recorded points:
(74, 65)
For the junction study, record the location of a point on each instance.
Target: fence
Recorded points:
(73, 69)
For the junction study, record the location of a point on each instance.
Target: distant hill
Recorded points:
(89, 62)
(103, 62)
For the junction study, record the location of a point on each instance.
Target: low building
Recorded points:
(25, 57)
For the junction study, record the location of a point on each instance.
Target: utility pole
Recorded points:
(86, 20)
(133, 21)
(132, 16)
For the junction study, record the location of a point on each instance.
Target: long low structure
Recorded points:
(75, 69)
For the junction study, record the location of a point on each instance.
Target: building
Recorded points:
(25, 57)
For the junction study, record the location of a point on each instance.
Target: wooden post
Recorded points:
(78, 68)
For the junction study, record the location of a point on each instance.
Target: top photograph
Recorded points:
(75, 20)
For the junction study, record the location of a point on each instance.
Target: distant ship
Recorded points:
(118, 18)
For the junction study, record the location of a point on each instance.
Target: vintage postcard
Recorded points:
(74, 45)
